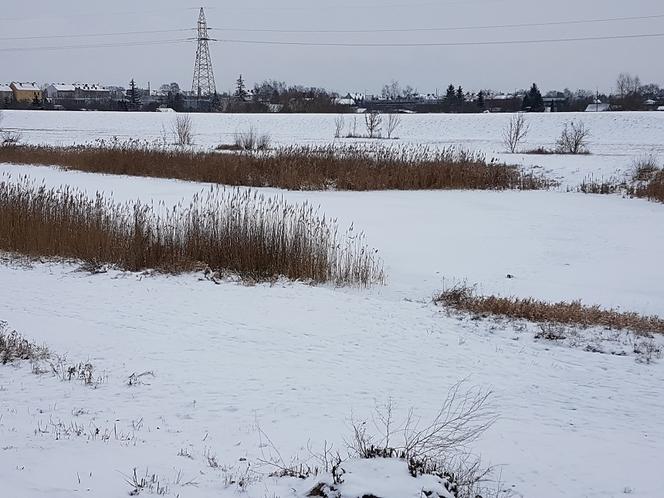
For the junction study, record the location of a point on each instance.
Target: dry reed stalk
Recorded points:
(462, 298)
(225, 230)
(295, 168)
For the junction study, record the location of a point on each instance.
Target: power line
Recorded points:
(95, 35)
(447, 28)
(97, 45)
(443, 44)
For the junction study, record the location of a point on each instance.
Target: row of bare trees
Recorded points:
(373, 122)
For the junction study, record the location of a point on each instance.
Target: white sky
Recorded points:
(588, 64)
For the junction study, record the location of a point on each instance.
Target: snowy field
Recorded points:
(234, 365)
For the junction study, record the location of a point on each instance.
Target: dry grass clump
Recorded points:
(296, 168)
(648, 179)
(225, 231)
(463, 298)
(14, 347)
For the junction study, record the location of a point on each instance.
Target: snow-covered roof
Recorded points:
(29, 87)
(5, 88)
(598, 107)
(650, 102)
(660, 108)
(61, 87)
(91, 87)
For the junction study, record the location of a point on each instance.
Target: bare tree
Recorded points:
(373, 121)
(516, 132)
(338, 125)
(627, 85)
(573, 139)
(183, 129)
(393, 122)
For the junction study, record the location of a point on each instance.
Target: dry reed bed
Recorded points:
(225, 230)
(296, 168)
(462, 298)
(653, 188)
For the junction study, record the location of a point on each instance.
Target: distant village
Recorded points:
(274, 96)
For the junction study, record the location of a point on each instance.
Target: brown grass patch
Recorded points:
(651, 189)
(295, 168)
(225, 231)
(463, 298)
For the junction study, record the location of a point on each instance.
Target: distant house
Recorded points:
(58, 91)
(598, 106)
(25, 92)
(660, 108)
(6, 94)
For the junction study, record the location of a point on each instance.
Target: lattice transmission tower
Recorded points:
(203, 84)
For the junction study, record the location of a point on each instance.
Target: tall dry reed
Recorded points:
(225, 230)
(295, 168)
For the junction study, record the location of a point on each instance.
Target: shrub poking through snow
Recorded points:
(224, 231)
(573, 139)
(515, 132)
(436, 448)
(464, 298)
(14, 347)
(296, 168)
(648, 179)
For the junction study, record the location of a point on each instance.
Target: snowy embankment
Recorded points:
(240, 375)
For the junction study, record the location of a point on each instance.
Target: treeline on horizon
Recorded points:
(274, 96)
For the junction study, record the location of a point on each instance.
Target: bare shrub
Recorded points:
(573, 139)
(652, 189)
(10, 139)
(464, 298)
(339, 122)
(251, 140)
(14, 347)
(515, 132)
(393, 123)
(373, 122)
(645, 168)
(437, 447)
(183, 129)
(297, 168)
(222, 231)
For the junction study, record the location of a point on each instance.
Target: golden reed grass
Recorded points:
(294, 168)
(653, 188)
(225, 230)
(462, 298)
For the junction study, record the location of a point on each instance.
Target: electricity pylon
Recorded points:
(203, 84)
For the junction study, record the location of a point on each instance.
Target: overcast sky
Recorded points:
(587, 64)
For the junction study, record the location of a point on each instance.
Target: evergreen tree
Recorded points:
(133, 96)
(240, 89)
(461, 98)
(533, 100)
(480, 100)
(450, 95)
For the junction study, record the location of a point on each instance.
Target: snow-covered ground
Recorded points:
(616, 138)
(234, 365)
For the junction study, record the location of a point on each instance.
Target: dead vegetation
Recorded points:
(295, 168)
(14, 347)
(221, 231)
(463, 298)
(648, 179)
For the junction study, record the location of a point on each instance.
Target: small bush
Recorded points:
(573, 139)
(515, 132)
(14, 347)
(250, 140)
(645, 168)
(183, 130)
(463, 298)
